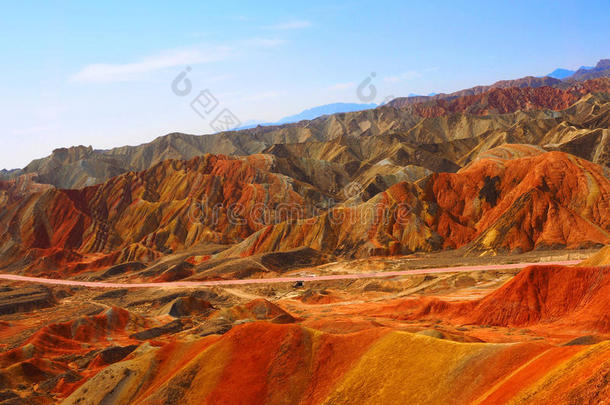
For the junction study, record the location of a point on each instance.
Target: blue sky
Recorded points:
(76, 72)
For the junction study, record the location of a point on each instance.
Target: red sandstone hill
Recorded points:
(552, 199)
(515, 198)
(528, 81)
(541, 200)
(139, 216)
(545, 294)
(524, 82)
(256, 352)
(574, 298)
(16, 189)
(60, 357)
(501, 100)
(262, 363)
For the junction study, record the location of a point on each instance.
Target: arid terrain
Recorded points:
(450, 249)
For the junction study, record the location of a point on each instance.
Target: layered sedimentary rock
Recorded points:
(513, 167)
(82, 166)
(541, 200)
(289, 364)
(514, 198)
(549, 296)
(139, 216)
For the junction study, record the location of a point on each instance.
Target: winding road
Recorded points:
(210, 283)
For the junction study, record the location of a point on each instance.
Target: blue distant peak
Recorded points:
(334, 108)
(313, 113)
(563, 73)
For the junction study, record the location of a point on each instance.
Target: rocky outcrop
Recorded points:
(504, 99)
(139, 216)
(26, 299)
(601, 258)
(551, 296)
(539, 200)
(187, 306)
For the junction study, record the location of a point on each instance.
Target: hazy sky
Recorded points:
(74, 72)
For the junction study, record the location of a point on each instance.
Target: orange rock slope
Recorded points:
(540, 200)
(140, 216)
(263, 363)
(503, 98)
(562, 298)
(268, 357)
(515, 198)
(96, 341)
(60, 357)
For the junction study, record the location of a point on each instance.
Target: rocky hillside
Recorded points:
(289, 364)
(502, 182)
(525, 82)
(82, 166)
(139, 216)
(510, 168)
(512, 198)
(516, 198)
(602, 69)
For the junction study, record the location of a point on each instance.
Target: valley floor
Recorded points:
(419, 336)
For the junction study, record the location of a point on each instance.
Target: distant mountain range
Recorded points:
(601, 69)
(312, 113)
(335, 108)
(561, 73)
(565, 73)
(82, 166)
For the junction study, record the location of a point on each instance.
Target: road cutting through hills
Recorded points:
(211, 283)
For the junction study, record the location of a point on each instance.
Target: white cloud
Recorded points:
(342, 86)
(289, 25)
(105, 72)
(410, 75)
(130, 71)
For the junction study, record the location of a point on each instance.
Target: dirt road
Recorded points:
(186, 284)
